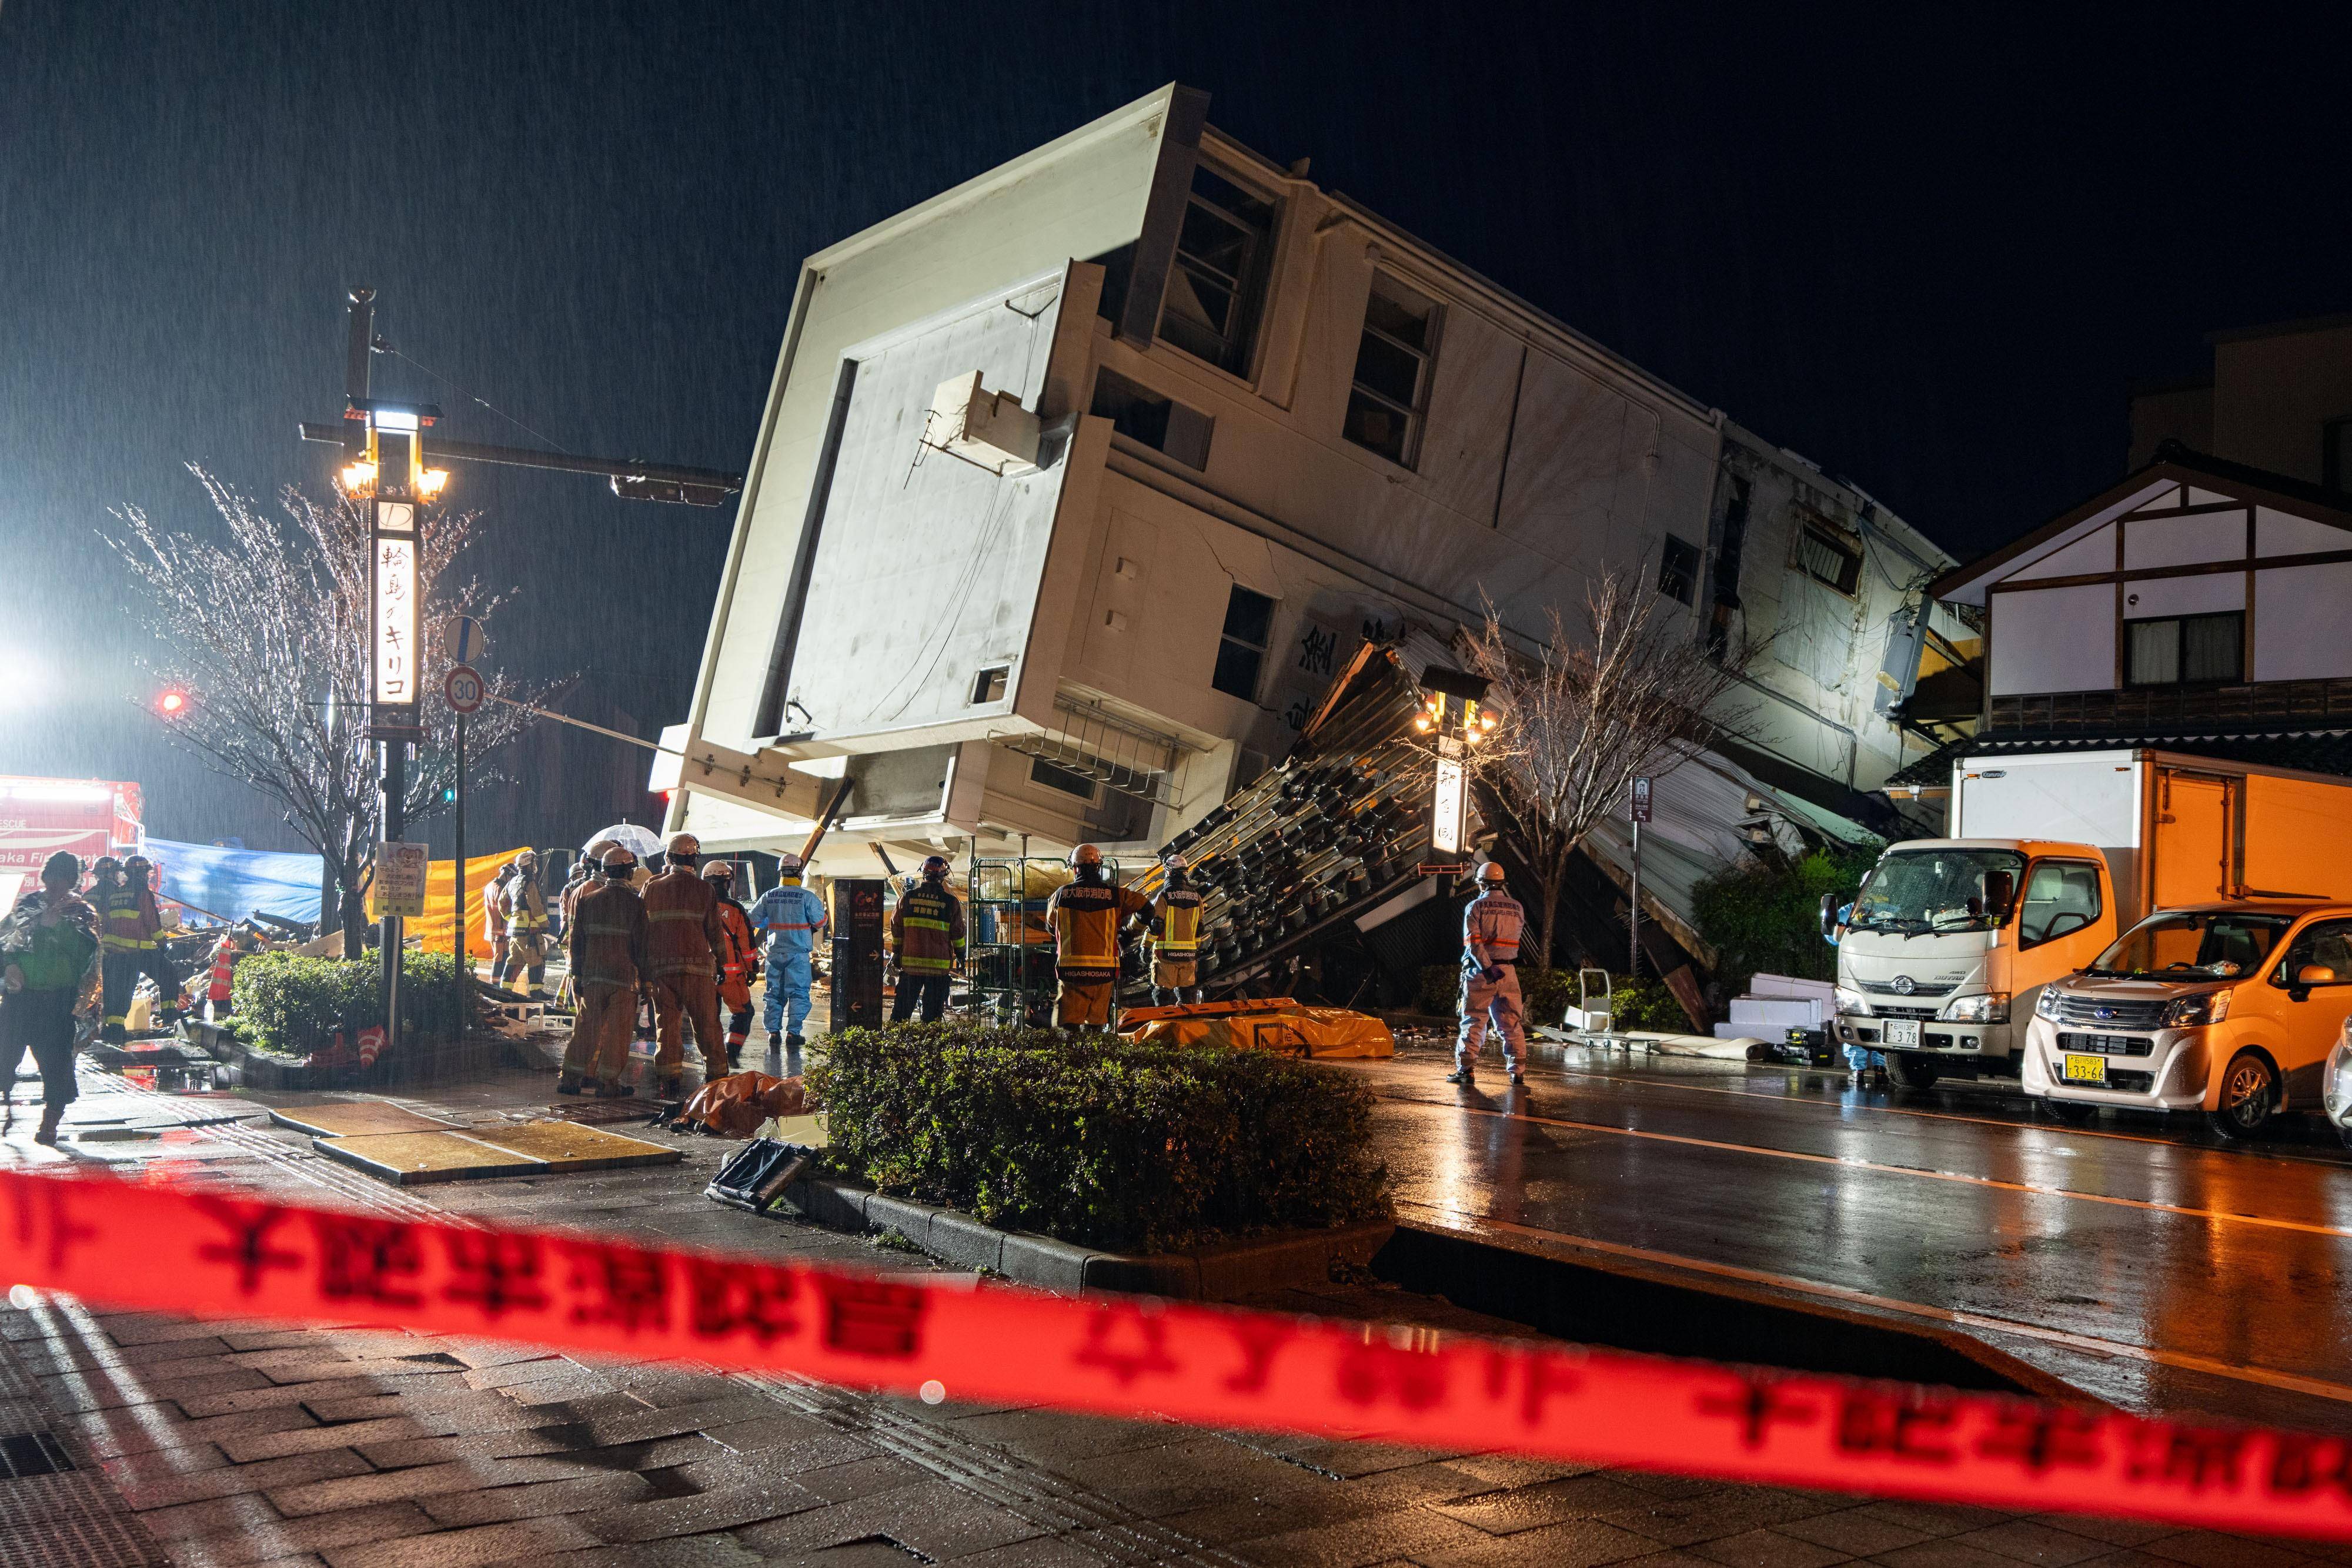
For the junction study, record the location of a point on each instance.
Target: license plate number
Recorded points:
(2086, 1069)
(1901, 1033)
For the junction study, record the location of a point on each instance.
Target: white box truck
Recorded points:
(2052, 857)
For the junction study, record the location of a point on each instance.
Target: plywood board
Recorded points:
(530, 1148)
(808, 1131)
(355, 1118)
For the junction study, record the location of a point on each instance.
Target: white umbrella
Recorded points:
(642, 842)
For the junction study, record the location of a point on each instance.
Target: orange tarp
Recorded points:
(1276, 1023)
(431, 929)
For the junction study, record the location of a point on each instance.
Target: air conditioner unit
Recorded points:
(990, 429)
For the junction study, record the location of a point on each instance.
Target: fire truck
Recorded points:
(38, 817)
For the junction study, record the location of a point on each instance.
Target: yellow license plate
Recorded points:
(2086, 1069)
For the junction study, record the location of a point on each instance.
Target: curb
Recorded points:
(1219, 1273)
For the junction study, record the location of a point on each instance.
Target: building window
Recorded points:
(1392, 371)
(2335, 455)
(1218, 285)
(2186, 649)
(1678, 570)
(1068, 781)
(1241, 651)
(1142, 415)
(1829, 555)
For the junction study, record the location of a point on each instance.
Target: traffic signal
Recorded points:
(172, 702)
(448, 793)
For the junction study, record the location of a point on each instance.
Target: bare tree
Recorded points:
(266, 633)
(1622, 690)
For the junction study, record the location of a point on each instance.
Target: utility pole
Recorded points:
(1637, 808)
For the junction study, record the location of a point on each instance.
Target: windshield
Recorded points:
(1917, 891)
(2191, 944)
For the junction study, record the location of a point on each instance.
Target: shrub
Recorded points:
(1098, 1141)
(1767, 917)
(1647, 1005)
(294, 1004)
(1545, 995)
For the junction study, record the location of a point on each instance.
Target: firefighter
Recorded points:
(1491, 924)
(526, 908)
(494, 920)
(684, 938)
(792, 919)
(738, 965)
(607, 942)
(234, 944)
(1086, 915)
(49, 957)
(127, 928)
(1176, 937)
(927, 934)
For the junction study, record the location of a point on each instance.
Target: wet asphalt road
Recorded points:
(2138, 1260)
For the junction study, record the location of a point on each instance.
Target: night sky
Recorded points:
(1926, 250)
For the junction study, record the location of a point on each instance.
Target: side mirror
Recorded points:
(2001, 887)
(2315, 975)
(1830, 902)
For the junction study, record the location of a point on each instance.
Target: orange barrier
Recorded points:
(193, 1254)
(430, 930)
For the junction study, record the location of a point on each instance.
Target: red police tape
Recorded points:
(193, 1254)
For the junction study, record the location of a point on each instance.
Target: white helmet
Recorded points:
(1174, 861)
(788, 865)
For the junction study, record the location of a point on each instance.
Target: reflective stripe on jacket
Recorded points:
(126, 919)
(683, 934)
(1085, 921)
(608, 937)
(927, 929)
(1491, 924)
(792, 917)
(741, 948)
(1176, 922)
(526, 910)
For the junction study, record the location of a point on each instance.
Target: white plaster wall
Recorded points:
(2183, 541)
(2094, 551)
(2282, 533)
(2303, 622)
(2161, 596)
(2053, 640)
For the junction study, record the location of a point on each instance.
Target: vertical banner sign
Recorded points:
(1638, 808)
(395, 666)
(1445, 830)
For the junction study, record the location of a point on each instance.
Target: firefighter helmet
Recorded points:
(619, 862)
(104, 864)
(720, 871)
(788, 865)
(685, 847)
(1491, 873)
(527, 861)
(1086, 855)
(1175, 862)
(935, 868)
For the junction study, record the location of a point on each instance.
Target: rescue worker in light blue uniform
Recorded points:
(793, 916)
(1491, 924)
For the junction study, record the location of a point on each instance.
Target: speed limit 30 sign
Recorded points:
(463, 687)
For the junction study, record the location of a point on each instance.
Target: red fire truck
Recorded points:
(38, 817)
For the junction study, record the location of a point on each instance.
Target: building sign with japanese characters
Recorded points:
(395, 661)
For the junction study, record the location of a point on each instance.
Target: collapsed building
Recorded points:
(1080, 486)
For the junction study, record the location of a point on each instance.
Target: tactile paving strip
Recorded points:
(52, 1517)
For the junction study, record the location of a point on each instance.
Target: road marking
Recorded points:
(2317, 1387)
(1848, 1163)
(2059, 1130)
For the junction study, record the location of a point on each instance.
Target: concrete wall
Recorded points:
(2272, 391)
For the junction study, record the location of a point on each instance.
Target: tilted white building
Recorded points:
(1077, 481)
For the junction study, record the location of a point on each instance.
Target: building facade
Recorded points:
(1077, 484)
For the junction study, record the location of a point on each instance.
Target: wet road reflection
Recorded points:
(2155, 1269)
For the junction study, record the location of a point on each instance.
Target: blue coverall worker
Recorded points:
(1491, 924)
(793, 918)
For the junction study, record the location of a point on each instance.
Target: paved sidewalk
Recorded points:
(241, 1443)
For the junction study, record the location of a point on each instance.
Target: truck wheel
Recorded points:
(1908, 1071)
(2074, 1112)
(2249, 1093)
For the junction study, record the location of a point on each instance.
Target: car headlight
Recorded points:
(2046, 1004)
(1985, 1007)
(1852, 1002)
(2332, 1073)
(2189, 1012)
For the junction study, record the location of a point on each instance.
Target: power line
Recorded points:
(384, 347)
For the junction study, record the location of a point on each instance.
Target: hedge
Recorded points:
(294, 1004)
(1098, 1141)
(1545, 995)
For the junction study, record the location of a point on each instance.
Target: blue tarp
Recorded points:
(233, 883)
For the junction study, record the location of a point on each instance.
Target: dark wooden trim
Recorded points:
(1163, 215)
(2162, 512)
(2195, 568)
(2251, 495)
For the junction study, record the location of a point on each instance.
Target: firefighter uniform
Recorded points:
(526, 908)
(607, 940)
(1491, 924)
(927, 933)
(1176, 943)
(1086, 917)
(737, 964)
(128, 929)
(683, 937)
(494, 922)
(793, 918)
